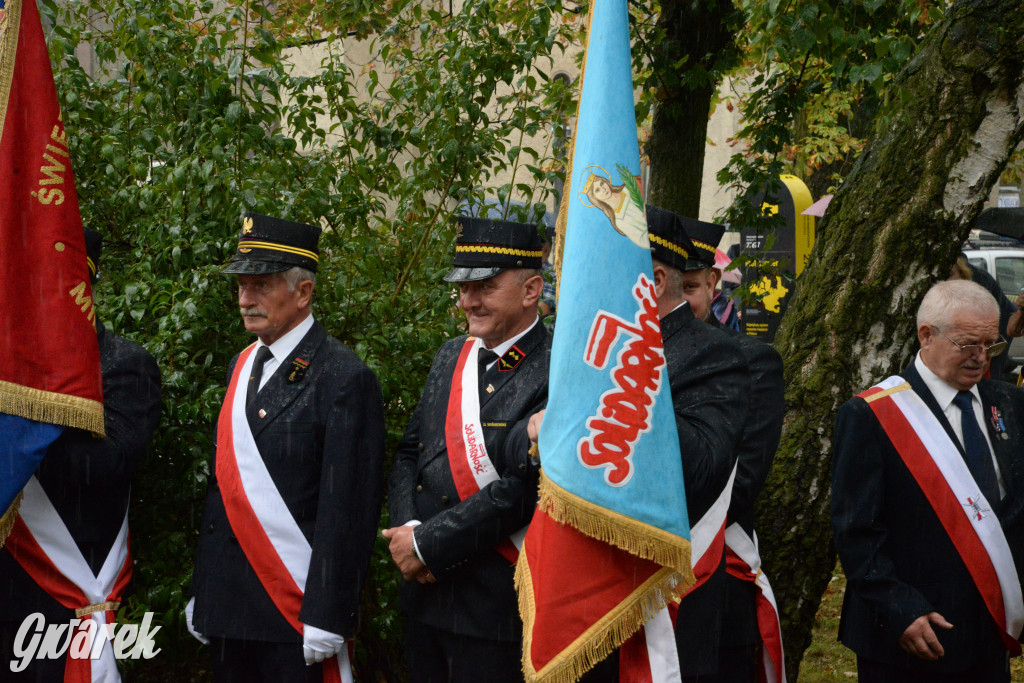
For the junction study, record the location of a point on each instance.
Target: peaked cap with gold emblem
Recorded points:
(485, 247)
(274, 245)
(683, 243)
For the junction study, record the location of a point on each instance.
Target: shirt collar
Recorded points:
(941, 391)
(682, 303)
(504, 346)
(283, 347)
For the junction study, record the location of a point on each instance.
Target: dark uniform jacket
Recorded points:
(761, 432)
(88, 479)
(322, 440)
(900, 564)
(474, 593)
(709, 381)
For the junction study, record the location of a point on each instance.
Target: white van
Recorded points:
(1006, 265)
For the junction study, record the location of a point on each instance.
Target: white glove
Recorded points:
(189, 608)
(318, 645)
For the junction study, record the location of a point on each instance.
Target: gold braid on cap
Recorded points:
(245, 246)
(668, 245)
(703, 245)
(477, 248)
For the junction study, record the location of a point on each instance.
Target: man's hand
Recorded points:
(920, 640)
(533, 426)
(318, 644)
(404, 555)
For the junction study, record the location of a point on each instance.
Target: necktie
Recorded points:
(976, 452)
(262, 355)
(484, 358)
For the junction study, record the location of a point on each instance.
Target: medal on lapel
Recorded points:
(997, 423)
(511, 360)
(299, 368)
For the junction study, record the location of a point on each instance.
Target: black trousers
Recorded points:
(437, 656)
(995, 671)
(254, 661)
(735, 665)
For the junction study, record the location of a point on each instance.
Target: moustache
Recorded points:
(253, 312)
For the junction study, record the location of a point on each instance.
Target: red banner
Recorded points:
(49, 370)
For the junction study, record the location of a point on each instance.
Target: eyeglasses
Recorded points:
(991, 350)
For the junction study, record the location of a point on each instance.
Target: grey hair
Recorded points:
(294, 275)
(526, 273)
(946, 299)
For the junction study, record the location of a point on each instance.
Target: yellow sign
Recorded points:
(804, 228)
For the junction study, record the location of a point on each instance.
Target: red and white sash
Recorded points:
(938, 468)
(650, 655)
(471, 467)
(267, 533)
(744, 562)
(41, 543)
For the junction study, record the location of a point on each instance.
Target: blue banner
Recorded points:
(609, 434)
(23, 444)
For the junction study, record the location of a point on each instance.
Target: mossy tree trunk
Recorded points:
(893, 229)
(696, 43)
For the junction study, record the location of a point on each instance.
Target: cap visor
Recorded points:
(255, 267)
(460, 274)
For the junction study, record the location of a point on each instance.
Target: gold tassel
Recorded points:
(601, 639)
(51, 407)
(631, 535)
(7, 521)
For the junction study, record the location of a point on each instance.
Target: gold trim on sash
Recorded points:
(108, 606)
(887, 392)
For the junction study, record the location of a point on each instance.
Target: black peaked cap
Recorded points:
(485, 247)
(274, 245)
(683, 243)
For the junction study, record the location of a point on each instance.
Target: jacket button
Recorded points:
(421, 445)
(444, 499)
(522, 467)
(419, 488)
(209, 529)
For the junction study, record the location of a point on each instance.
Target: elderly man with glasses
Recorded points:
(927, 499)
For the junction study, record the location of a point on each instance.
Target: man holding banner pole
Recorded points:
(709, 385)
(50, 367)
(458, 504)
(750, 624)
(68, 556)
(644, 412)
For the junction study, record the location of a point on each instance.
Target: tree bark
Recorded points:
(893, 229)
(696, 44)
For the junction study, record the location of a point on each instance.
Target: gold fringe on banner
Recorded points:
(604, 636)
(48, 406)
(7, 521)
(627, 533)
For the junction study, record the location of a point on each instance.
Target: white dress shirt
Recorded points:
(282, 349)
(944, 395)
